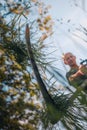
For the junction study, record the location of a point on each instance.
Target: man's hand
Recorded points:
(76, 75)
(83, 69)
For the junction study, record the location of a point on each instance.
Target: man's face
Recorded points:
(70, 59)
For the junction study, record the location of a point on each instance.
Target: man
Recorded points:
(77, 74)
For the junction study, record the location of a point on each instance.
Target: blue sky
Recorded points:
(68, 17)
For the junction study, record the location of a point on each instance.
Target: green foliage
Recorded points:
(12, 84)
(18, 91)
(18, 87)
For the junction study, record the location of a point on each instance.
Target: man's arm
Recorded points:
(82, 71)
